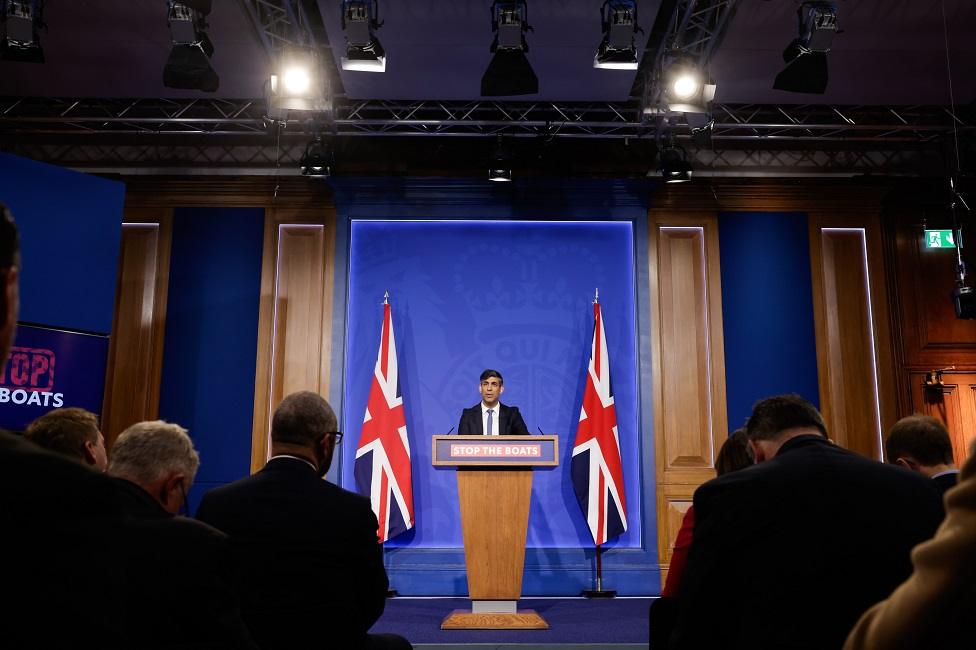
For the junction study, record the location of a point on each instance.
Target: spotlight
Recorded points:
(318, 160)
(806, 56)
(21, 21)
(360, 19)
(297, 83)
(509, 72)
(188, 65)
(674, 165)
(685, 87)
(617, 50)
(500, 165)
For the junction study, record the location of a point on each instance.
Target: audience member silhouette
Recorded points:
(71, 432)
(182, 582)
(933, 609)
(734, 455)
(921, 443)
(790, 552)
(314, 567)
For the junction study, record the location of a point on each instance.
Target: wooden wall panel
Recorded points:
(295, 322)
(854, 355)
(954, 403)
(135, 358)
(688, 361)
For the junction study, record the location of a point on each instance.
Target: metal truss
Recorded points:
(800, 125)
(279, 23)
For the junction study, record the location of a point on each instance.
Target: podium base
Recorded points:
(599, 593)
(461, 619)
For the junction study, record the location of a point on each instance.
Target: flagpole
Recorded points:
(599, 592)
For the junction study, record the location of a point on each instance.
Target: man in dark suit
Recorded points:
(789, 552)
(308, 550)
(491, 417)
(182, 582)
(921, 443)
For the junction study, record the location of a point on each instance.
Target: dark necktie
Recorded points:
(488, 431)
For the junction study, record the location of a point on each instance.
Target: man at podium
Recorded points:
(491, 417)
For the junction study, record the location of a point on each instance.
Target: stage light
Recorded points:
(685, 88)
(500, 165)
(318, 160)
(509, 72)
(617, 50)
(360, 20)
(806, 55)
(674, 166)
(297, 83)
(21, 19)
(188, 65)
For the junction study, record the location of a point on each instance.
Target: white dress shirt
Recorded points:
(494, 419)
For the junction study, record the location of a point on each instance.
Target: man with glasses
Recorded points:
(308, 550)
(181, 579)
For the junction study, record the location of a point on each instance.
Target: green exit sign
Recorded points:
(939, 239)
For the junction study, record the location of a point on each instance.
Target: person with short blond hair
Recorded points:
(71, 432)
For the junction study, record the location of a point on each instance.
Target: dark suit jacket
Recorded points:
(788, 553)
(182, 580)
(509, 421)
(946, 482)
(312, 566)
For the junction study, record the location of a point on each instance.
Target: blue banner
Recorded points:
(49, 369)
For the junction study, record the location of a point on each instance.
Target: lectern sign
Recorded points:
(494, 450)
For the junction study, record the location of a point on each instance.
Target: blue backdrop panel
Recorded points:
(211, 337)
(70, 227)
(767, 309)
(515, 296)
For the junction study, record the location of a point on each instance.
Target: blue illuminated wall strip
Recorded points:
(209, 355)
(767, 309)
(564, 568)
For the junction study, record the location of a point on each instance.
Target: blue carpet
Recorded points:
(571, 620)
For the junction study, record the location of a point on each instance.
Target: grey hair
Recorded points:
(148, 451)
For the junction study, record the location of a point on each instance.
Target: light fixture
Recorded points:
(360, 19)
(318, 160)
(297, 83)
(509, 72)
(673, 165)
(806, 55)
(686, 90)
(617, 50)
(500, 164)
(21, 19)
(188, 65)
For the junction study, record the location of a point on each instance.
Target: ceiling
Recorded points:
(890, 52)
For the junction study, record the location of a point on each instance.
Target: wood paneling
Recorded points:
(135, 357)
(854, 356)
(688, 361)
(494, 519)
(954, 403)
(295, 321)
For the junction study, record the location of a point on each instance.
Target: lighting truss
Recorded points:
(837, 126)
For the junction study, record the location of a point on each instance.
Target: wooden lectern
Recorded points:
(494, 475)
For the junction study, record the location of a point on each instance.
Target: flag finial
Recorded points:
(596, 296)
(386, 297)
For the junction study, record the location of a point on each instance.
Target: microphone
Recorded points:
(449, 431)
(540, 430)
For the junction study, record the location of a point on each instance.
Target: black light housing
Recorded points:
(509, 72)
(617, 51)
(360, 20)
(806, 55)
(188, 65)
(21, 22)
(500, 164)
(674, 165)
(318, 161)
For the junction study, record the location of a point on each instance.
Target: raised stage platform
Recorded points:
(580, 623)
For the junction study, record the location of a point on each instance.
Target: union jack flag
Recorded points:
(382, 466)
(598, 474)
